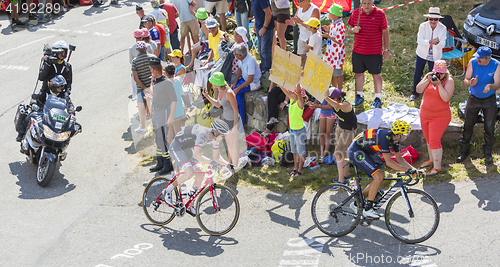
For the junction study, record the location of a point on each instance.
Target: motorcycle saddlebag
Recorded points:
(20, 116)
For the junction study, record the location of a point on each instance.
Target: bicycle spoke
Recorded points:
(158, 213)
(217, 221)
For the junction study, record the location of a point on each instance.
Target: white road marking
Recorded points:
(108, 19)
(5, 52)
(308, 256)
(10, 67)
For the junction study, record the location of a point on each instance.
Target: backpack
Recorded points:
(162, 32)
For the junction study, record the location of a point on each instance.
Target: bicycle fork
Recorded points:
(407, 202)
(215, 201)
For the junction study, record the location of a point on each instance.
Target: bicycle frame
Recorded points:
(179, 207)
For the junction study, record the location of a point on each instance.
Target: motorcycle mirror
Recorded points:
(72, 47)
(79, 108)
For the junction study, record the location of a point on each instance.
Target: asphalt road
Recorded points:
(89, 215)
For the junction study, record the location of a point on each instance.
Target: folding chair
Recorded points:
(453, 40)
(253, 35)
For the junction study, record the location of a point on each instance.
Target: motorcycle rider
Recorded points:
(56, 87)
(54, 63)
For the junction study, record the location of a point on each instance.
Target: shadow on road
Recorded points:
(194, 240)
(29, 189)
(488, 194)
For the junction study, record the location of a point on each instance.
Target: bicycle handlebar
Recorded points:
(409, 181)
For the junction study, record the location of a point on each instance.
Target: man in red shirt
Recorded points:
(173, 13)
(371, 47)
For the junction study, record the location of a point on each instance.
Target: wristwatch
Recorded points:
(264, 27)
(387, 50)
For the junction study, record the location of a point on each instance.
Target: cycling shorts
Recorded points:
(362, 160)
(183, 157)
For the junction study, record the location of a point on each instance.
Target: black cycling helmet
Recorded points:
(220, 126)
(58, 82)
(60, 47)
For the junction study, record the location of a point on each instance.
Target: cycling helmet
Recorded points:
(60, 47)
(400, 127)
(58, 82)
(220, 126)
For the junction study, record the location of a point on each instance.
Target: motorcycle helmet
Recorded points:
(57, 84)
(60, 47)
(220, 126)
(400, 127)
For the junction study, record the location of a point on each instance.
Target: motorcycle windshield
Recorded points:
(55, 113)
(55, 102)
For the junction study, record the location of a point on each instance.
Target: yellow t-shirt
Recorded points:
(213, 43)
(295, 116)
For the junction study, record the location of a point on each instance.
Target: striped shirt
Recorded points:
(141, 65)
(368, 41)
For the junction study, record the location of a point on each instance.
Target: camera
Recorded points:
(434, 77)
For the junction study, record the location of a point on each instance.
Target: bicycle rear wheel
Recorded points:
(329, 215)
(414, 229)
(158, 212)
(217, 221)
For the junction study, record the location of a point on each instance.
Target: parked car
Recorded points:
(482, 26)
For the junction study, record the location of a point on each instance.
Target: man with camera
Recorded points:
(54, 63)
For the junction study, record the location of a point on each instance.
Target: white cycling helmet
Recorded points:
(220, 126)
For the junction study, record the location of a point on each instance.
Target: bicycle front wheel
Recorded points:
(412, 229)
(330, 215)
(217, 215)
(156, 211)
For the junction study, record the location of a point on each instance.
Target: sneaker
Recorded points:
(359, 100)
(65, 8)
(70, 6)
(371, 213)
(192, 210)
(377, 103)
(140, 130)
(44, 20)
(272, 121)
(32, 16)
(354, 207)
(168, 197)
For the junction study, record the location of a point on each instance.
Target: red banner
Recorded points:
(324, 5)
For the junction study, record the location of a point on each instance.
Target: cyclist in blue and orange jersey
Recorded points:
(186, 150)
(369, 143)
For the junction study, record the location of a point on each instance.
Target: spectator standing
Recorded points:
(161, 24)
(164, 106)
(154, 34)
(178, 60)
(315, 41)
(281, 13)
(14, 13)
(297, 129)
(173, 14)
(431, 40)
(335, 47)
(247, 78)
(242, 7)
(345, 132)
(304, 13)
(179, 114)
(227, 100)
(371, 47)
(221, 8)
(435, 112)
(146, 37)
(202, 16)
(189, 23)
(483, 78)
(264, 27)
(326, 123)
(142, 76)
(132, 53)
(140, 12)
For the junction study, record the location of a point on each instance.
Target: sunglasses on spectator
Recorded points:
(433, 19)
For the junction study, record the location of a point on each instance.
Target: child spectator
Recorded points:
(179, 115)
(314, 42)
(335, 48)
(326, 122)
(297, 129)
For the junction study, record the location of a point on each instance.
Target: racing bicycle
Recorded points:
(411, 215)
(217, 207)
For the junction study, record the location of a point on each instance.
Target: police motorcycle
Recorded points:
(48, 130)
